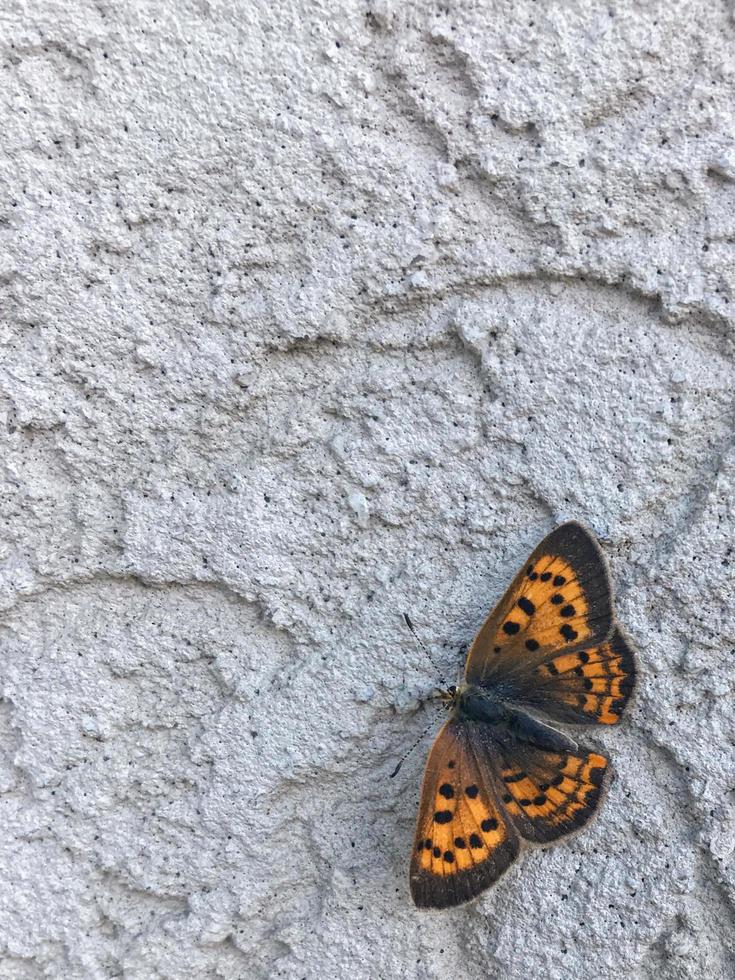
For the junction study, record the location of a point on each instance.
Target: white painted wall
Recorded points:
(311, 314)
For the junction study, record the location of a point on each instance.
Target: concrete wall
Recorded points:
(312, 313)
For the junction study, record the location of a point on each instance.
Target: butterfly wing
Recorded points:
(589, 686)
(464, 841)
(547, 794)
(560, 601)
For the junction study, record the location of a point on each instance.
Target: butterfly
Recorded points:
(498, 777)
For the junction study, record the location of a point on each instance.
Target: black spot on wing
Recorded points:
(515, 777)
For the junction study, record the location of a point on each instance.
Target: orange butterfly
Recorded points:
(497, 777)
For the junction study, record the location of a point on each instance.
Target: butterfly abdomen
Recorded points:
(528, 729)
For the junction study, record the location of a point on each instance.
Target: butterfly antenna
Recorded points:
(406, 754)
(424, 648)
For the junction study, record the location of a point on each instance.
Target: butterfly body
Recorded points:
(480, 704)
(498, 777)
(486, 706)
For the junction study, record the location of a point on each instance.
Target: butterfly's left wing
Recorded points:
(547, 794)
(464, 840)
(560, 601)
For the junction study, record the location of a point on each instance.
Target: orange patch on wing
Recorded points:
(550, 609)
(594, 682)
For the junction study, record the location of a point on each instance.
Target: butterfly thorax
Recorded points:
(480, 704)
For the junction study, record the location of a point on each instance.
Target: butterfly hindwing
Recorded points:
(560, 600)
(463, 841)
(548, 794)
(588, 686)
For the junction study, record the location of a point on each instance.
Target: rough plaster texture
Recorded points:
(312, 313)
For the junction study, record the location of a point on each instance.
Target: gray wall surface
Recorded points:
(312, 313)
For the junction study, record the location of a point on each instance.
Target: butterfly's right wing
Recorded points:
(464, 841)
(560, 600)
(585, 687)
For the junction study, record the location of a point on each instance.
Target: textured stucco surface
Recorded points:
(310, 314)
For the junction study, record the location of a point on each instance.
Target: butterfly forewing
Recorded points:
(463, 841)
(559, 601)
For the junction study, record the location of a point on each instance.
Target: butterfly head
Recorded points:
(448, 696)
